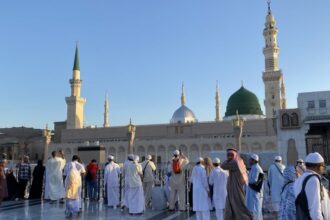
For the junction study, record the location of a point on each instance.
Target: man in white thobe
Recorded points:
(81, 169)
(317, 205)
(276, 183)
(126, 164)
(201, 191)
(254, 198)
(218, 179)
(111, 182)
(148, 169)
(177, 181)
(54, 189)
(135, 188)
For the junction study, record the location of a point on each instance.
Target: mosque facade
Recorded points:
(184, 131)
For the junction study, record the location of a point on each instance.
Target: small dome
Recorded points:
(245, 102)
(183, 115)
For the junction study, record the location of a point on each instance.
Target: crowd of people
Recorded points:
(228, 187)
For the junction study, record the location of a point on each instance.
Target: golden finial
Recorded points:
(183, 96)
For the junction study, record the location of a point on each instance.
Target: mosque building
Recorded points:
(184, 131)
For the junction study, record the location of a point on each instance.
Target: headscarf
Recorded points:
(240, 164)
(289, 174)
(208, 165)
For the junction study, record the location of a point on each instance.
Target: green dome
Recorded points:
(243, 101)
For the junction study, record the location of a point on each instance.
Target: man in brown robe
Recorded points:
(3, 182)
(235, 204)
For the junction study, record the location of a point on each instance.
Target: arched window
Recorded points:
(285, 120)
(294, 119)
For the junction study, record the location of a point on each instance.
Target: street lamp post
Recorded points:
(238, 124)
(46, 139)
(131, 129)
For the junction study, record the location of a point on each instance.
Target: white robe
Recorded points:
(135, 190)
(218, 178)
(200, 189)
(54, 188)
(125, 174)
(81, 170)
(111, 181)
(253, 198)
(276, 182)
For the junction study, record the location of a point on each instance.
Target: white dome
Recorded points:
(183, 115)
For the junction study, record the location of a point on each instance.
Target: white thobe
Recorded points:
(135, 189)
(218, 179)
(276, 183)
(111, 181)
(148, 179)
(81, 170)
(253, 198)
(54, 189)
(125, 174)
(200, 193)
(316, 206)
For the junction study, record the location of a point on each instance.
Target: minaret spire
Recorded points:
(272, 74)
(106, 112)
(183, 96)
(217, 104)
(75, 103)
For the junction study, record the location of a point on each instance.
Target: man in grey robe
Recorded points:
(235, 204)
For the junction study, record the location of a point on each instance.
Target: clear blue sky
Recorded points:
(140, 51)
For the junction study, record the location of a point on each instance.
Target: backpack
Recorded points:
(176, 167)
(257, 185)
(301, 202)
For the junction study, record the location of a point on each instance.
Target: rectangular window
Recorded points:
(322, 103)
(311, 104)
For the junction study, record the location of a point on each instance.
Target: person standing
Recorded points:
(218, 179)
(201, 191)
(312, 200)
(276, 183)
(111, 182)
(3, 181)
(135, 189)
(24, 176)
(177, 180)
(127, 162)
(148, 169)
(54, 188)
(287, 204)
(37, 183)
(91, 180)
(238, 179)
(72, 172)
(254, 191)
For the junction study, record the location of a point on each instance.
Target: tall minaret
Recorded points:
(75, 103)
(217, 104)
(183, 96)
(106, 112)
(272, 75)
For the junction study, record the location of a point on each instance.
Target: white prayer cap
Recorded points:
(136, 158)
(111, 157)
(314, 158)
(216, 160)
(300, 160)
(255, 157)
(278, 158)
(149, 157)
(176, 152)
(199, 159)
(131, 156)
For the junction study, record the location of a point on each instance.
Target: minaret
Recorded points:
(183, 96)
(217, 104)
(283, 94)
(272, 75)
(106, 112)
(75, 103)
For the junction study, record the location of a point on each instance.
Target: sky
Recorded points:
(140, 51)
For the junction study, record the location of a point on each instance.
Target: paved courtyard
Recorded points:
(37, 210)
